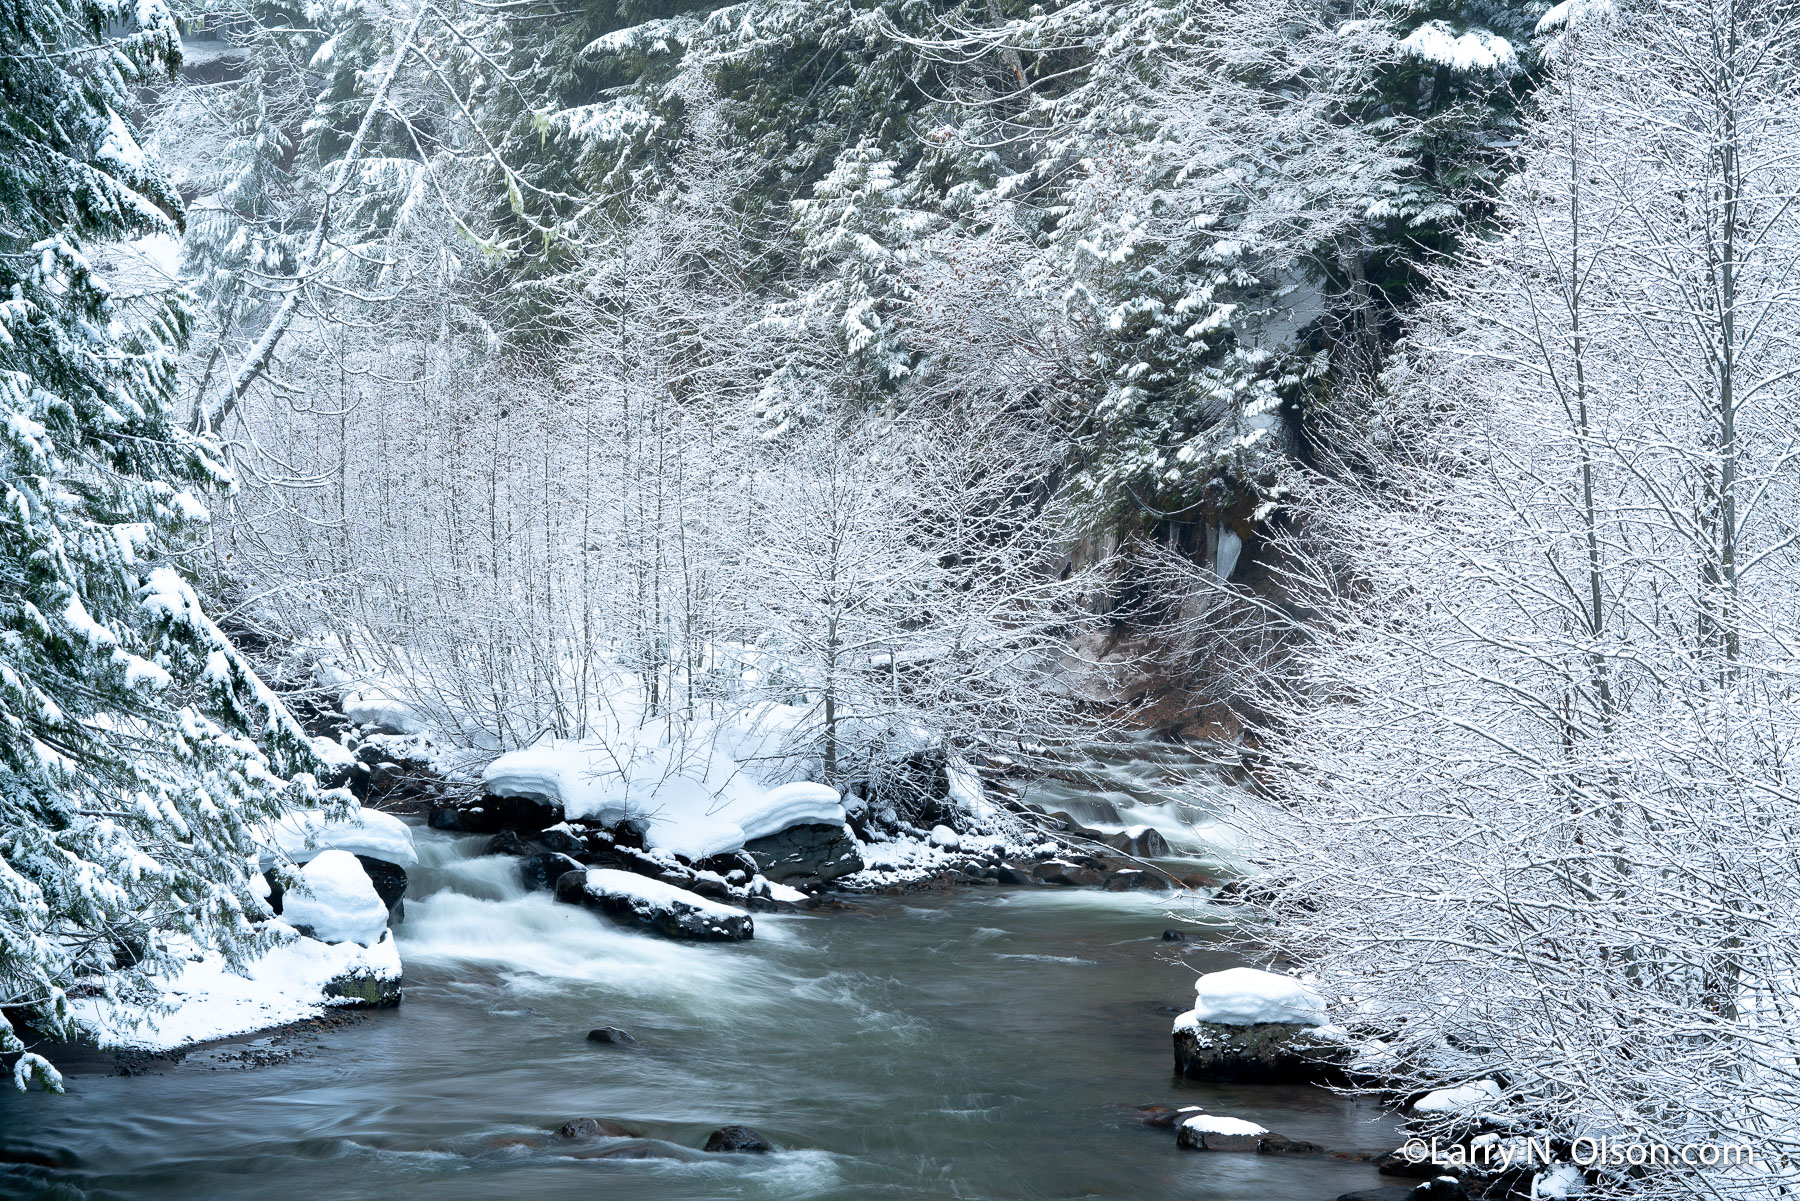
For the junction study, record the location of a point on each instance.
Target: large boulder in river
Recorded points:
(1255, 1027)
(810, 849)
(737, 1139)
(638, 900)
(389, 880)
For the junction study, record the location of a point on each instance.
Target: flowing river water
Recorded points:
(977, 1044)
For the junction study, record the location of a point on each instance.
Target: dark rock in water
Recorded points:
(495, 813)
(638, 1149)
(1190, 1139)
(363, 989)
(1061, 871)
(540, 872)
(563, 840)
(810, 849)
(1396, 1164)
(1163, 1117)
(737, 1138)
(1280, 1144)
(1181, 936)
(507, 842)
(612, 1036)
(1262, 1053)
(389, 880)
(1012, 873)
(1134, 880)
(670, 911)
(1143, 841)
(1392, 1193)
(1443, 1188)
(1068, 825)
(594, 1128)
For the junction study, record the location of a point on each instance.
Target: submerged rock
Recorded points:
(637, 900)
(1132, 879)
(737, 1138)
(611, 1036)
(539, 873)
(507, 842)
(594, 1128)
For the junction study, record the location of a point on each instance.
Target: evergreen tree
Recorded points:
(137, 750)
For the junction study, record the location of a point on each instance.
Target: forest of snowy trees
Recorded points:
(1416, 382)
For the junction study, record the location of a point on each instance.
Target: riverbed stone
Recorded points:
(611, 1036)
(670, 911)
(1069, 875)
(1260, 1053)
(814, 849)
(594, 1128)
(737, 1138)
(540, 872)
(507, 842)
(562, 839)
(1146, 842)
(1133, 879)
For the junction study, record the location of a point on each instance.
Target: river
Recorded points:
(977, 1044)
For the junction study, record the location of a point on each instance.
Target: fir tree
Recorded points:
(137, 750)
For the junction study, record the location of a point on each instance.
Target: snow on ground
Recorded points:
(301, 835)
(210, 1001)
(697, 794)
(1244, 996)
(1480, 1095)
(336, 901)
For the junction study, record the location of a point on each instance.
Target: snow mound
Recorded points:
(1244, 996)
(300, 835)
(1211, 1123)
(693, 799)
(208, 1000)
(1479, 1095)
(339, 903)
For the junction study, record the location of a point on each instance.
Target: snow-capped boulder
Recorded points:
(638, 900)
(1214, 1132)
(335, 901)
(1251, 1025)
(299, 836)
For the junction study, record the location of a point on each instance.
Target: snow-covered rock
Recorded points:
(1250, 1025)
(303, 834)
(298, 979)
(1463, 1098)
(694, 803)
(639, 900)
(1243, 996)
(1214, 1132)
(944, 836)
(336, 901)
